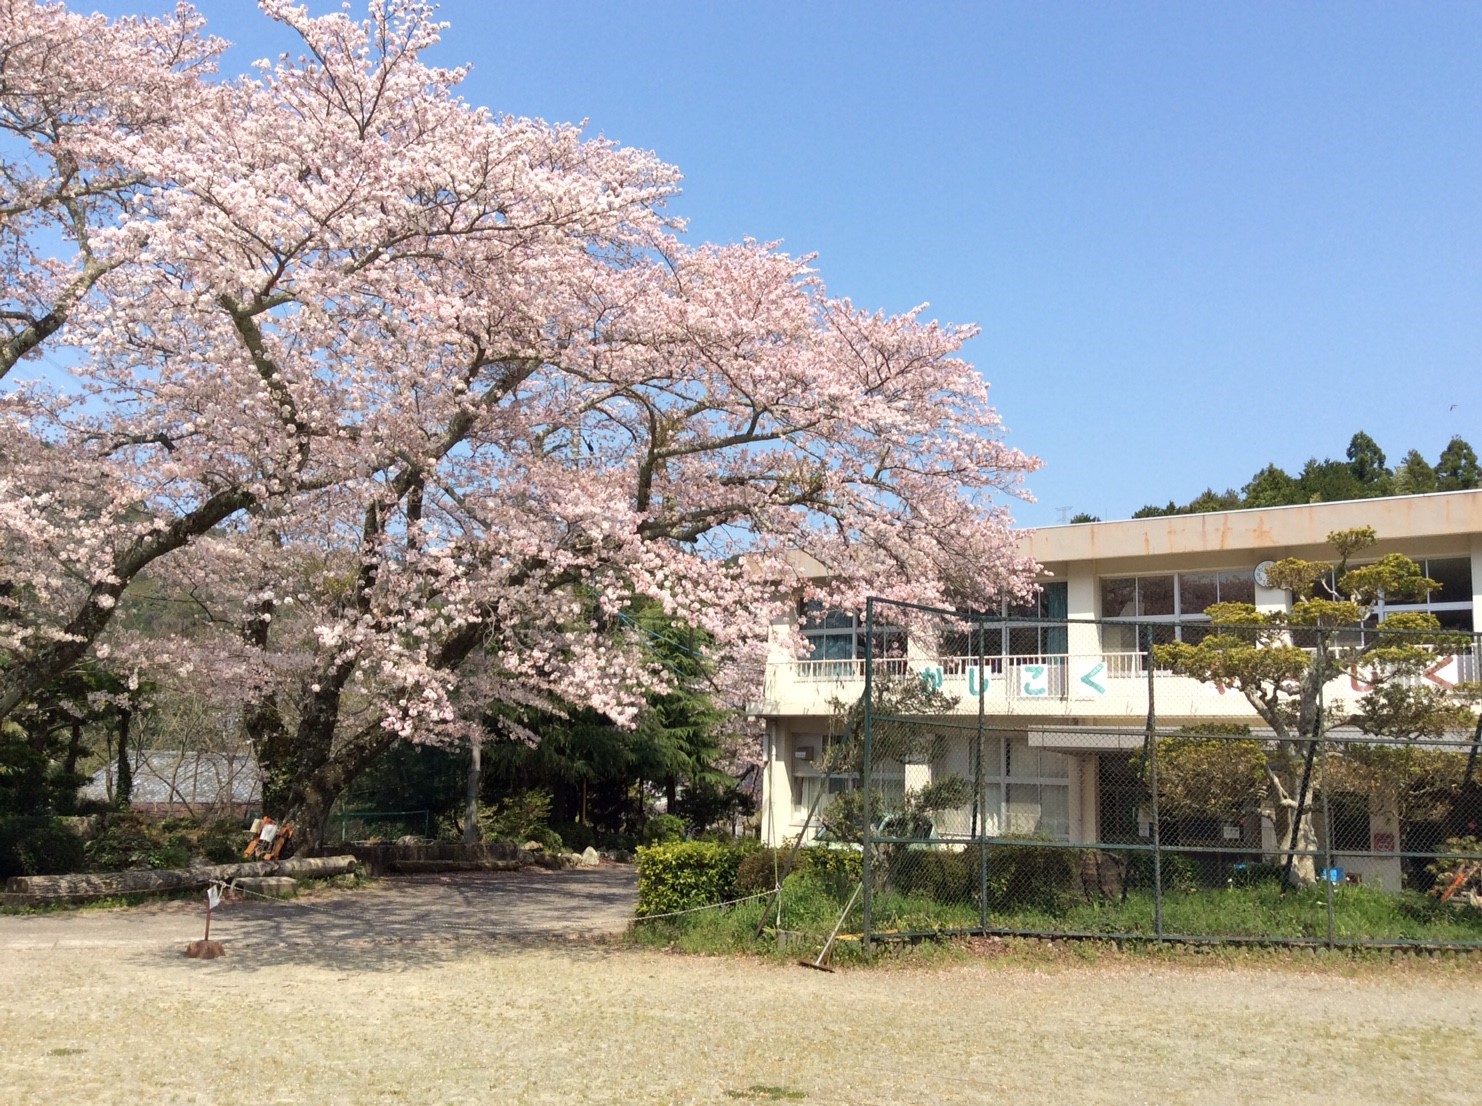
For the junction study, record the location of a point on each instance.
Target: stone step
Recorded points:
(275, 887)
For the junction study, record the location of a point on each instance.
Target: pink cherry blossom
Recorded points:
(402, 404)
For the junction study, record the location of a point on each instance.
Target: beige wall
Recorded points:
(1441, 523)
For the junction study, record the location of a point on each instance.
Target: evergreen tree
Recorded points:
(1329, 482)
(1211, 500)
(1366, 461)
(1457, 468)
(1414, 476)
(596, 771)
(1271, 487)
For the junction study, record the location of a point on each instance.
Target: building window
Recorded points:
(1176, 601)
(1036, 792)
(819, 766)
(1033, 629)
(1026, 791)
(1451, 603)
(839, 636)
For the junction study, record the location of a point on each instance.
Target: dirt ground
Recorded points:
(337, 999)
(467, 906)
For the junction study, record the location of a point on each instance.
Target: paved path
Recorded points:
(462, 906)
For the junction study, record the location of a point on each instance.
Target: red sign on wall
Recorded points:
(1384, 842)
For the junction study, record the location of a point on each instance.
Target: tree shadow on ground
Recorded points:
(389, 956)
(402, 922)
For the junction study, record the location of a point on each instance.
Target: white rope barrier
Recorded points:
(711, 906)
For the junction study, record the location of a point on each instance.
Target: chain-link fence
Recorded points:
(378, 825)
(1154, 780)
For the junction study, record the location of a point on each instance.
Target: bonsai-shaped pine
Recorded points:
(1281, 661)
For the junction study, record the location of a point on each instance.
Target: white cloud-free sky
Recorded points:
(1198, 237)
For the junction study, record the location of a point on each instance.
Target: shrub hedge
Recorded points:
(682, 875)
(688, 874)
(38, 845)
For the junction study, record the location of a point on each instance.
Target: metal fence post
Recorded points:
(1327, 813)
(866, 872)
(1151, 744)
(979, 791)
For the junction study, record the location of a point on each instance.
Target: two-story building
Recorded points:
(1062, 693)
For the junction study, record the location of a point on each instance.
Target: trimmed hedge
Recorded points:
(1028, 875)
(682, 875)
(837, 870)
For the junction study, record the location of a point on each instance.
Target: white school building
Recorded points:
(1060, 697)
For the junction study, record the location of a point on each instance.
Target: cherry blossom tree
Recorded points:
(412, 404)
(256, 270)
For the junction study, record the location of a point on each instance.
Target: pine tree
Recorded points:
(1366, 461)
(1457, 468)
(1271, 487)
(1414, 476)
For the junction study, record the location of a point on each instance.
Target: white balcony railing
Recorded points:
(1114, 680)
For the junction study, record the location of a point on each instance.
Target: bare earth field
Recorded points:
(444, 991)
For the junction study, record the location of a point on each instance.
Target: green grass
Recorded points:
(1264, 913)
(1255, 914)
(767, 1093)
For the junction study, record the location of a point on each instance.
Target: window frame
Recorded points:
(1180, 619)
(833, 623)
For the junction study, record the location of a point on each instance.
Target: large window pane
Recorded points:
(1120, 639)
(1237, 587)
(804, 791)
(1455, 620)
(1024, 641)
(1038, 810)
(1155, 595)
(992, 821)
(831, 647)
(1194, 632)
(1454, 574)
(1054, 811)
(1196, 591)
(1029, 762)
(1031, 609)
(992, 756)
(1119, 598)
(1022, 810)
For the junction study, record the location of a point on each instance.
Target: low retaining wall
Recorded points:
(444, 856)
(32, 890)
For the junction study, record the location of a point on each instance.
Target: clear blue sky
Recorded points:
(1198, 237)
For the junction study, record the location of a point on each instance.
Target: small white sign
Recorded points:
(1089, 678)
(1445, 673)
(213, 897)
(978, 681)
(1034, 680)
